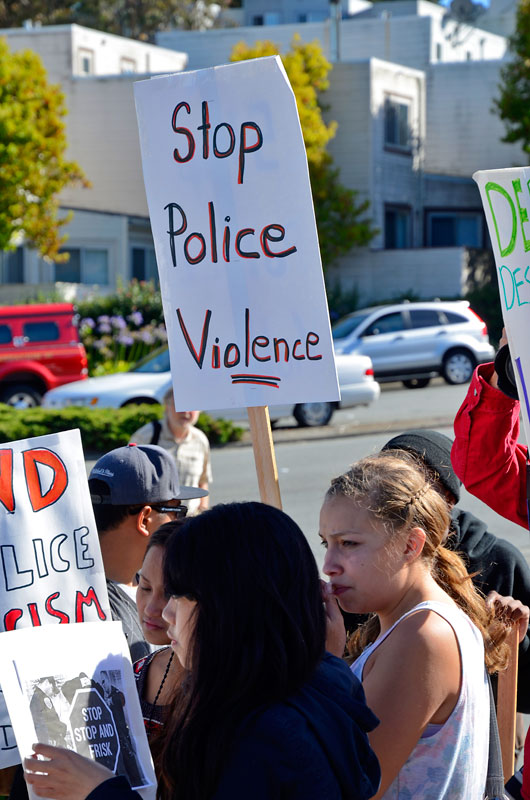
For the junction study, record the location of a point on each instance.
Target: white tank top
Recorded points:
(450, 761)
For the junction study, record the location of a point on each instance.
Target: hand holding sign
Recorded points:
(64, 775)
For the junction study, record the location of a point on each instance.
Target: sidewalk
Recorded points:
(293, 433)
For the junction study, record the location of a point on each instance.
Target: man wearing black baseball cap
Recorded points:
(134, 490)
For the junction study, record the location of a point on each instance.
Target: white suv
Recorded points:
(414, 342)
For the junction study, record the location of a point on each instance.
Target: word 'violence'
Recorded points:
(260, 347)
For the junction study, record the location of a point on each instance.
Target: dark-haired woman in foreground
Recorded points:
(264, 713)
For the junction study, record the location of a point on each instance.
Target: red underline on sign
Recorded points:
(262, 380)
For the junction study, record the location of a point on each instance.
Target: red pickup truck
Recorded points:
(39, 350)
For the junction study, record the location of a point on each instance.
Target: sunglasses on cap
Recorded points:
(179, 511)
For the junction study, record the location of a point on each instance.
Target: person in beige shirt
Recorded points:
(176, 433)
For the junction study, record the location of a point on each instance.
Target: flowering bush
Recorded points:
(114, 343)
(120, 329)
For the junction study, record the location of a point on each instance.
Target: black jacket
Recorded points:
(500, 566)
(312, 746)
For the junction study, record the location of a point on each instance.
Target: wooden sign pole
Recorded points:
(261, 433)
(507, 705)
(7, 776)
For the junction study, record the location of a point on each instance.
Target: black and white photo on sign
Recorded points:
(87, 715)
(81, 696)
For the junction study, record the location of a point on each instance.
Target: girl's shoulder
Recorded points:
(425, 634)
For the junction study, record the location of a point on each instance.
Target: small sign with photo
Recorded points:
(80, 695)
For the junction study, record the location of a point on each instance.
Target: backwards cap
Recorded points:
(140, 474)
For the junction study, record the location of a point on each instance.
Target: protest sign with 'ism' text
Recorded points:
(505, 196)
(232, 216)
(51, 568)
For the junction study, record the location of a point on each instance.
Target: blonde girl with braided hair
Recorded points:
(421, 656)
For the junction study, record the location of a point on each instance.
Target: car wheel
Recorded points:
(416, 383)
(21, 395)
(140, 401)
(458, 366)
(309, 415)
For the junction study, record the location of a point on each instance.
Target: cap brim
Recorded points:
(190, 493)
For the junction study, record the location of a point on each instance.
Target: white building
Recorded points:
(499, 17)
(412, 93)
(110, 233)
(411, 89)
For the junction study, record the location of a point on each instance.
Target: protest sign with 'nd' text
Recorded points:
(51, 570)
(232, 216)
(506, 199)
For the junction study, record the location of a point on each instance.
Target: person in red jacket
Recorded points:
(486, 454)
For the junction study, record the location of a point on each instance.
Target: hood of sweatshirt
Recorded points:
(470, 535)
(335, 710)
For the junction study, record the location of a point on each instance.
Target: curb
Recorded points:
(296, 434)
(283, 435)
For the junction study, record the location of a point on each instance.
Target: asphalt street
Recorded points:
(307, 458)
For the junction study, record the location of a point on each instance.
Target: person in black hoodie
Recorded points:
(264, 712)
(494, 564)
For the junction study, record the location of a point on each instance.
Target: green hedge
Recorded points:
(102, 429)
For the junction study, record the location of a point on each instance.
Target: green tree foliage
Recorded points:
(138, 19)
(513, 105)
(32, 146)
(341, 220)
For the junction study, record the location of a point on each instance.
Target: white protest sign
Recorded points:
(229, 198)
(505, 196)
(51, 568)
(80, 693)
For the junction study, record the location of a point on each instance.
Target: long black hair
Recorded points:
(259, 633)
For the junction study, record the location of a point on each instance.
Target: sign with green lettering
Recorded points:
(505, 196)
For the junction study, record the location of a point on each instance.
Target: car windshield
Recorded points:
(343, 327)
(154, 362)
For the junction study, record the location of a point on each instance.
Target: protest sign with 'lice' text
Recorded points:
(232, 217)
(505, 196)
(51, 570)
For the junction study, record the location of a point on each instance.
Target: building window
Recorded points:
(439, 51)
(86, 61)
(268, 18)
(313, 16)
(469, 55)
(397, 124)
(12, 266)
(398, 227)
(144, 266)
(84, 266)
(127, 66)
(455, 229)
